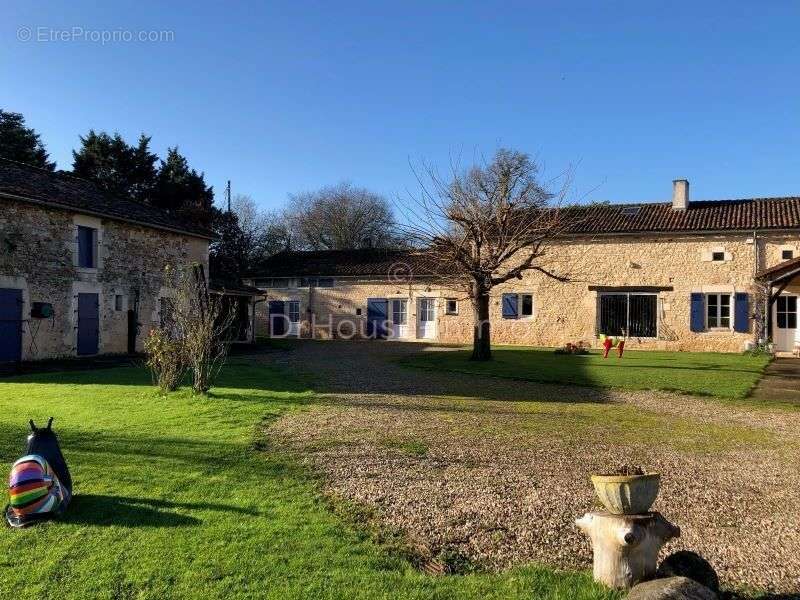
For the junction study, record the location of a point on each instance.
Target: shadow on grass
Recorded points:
(120, 511)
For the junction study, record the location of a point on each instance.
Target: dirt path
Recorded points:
(781, 381)
(497, 470)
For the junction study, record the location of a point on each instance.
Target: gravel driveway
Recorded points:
(498, 470)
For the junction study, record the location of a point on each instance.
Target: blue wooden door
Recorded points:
(377, 315)
(10, 325)
(277, 320)
(88, 324)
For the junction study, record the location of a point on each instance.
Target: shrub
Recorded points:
(570, 348)
(166, 359)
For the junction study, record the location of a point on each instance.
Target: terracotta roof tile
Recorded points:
(613, 219)
(700, 216)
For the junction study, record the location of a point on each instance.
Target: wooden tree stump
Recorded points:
(626, 546)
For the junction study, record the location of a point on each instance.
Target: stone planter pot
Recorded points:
(627, 494)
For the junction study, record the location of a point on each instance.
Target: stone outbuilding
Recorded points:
(677, 275)
(82, 272)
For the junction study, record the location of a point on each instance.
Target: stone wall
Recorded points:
(568, 312)
(39, 256)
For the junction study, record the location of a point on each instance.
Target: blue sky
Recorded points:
(286, 97)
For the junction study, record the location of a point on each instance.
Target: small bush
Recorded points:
(455, 562)
(570, 348)
(166, 359)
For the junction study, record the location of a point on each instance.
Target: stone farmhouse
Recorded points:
(81, 272)
(680, 275)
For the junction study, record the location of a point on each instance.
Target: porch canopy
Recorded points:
(241, 299)
(775, 280)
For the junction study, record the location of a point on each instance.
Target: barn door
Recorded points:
(10, 325)
(88, 324)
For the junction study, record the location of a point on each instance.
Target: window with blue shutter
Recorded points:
(741, 313)
(510, 306)
(86, 247)
(697, 317)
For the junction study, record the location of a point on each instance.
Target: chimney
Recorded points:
(680, 194)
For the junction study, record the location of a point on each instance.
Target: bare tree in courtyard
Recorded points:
(487, 225)
(202, 321)
(340, 217)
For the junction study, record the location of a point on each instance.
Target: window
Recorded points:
(118, 302)
(634, 314)
(787, 254)
(527, 305)
(718, 311)
(293, 311)
(358, 312)
(316, 282)
(278, 283)
(451, 306)
(516, 306)
(427, 309)
(87, 241)
(399, 312)
(718, 256)
(786, 312)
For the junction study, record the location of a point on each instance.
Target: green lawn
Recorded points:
(184, 497)
(703, 373)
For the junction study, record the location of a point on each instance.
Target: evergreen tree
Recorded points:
(182, 190)
(120, 169)
(130, 172)
(21, 143)
(228, 253)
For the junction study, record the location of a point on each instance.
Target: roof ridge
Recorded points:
(609, 204)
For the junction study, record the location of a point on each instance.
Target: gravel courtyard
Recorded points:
(498, 470)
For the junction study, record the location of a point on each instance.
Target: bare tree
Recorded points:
(202, 322)
(263, 232)
(341, 217)
(485, 226)
(245, 237)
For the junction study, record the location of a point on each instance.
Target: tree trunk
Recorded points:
(626, 546)
(481, 338)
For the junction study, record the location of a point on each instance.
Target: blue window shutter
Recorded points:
(741, 312)
(697, 321)
(510, 306)
(86, 247)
